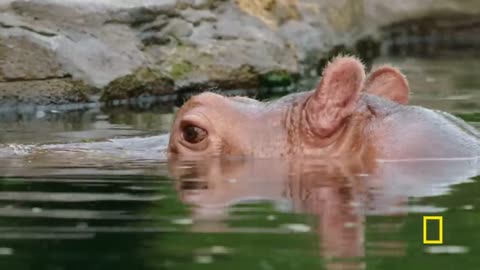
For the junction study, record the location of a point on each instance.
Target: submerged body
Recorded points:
(347, 115)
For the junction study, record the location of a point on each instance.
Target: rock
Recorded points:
(144, 81)
(75, 32)
(196, 16)
(127, 48)
(21, 59)
(45, 92)
(30, 73)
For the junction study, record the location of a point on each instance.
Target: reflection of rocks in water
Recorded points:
(50, 124)
(433, 36)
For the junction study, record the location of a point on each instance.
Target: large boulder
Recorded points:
(60, 51)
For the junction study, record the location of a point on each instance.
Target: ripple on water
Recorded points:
(5, 251)
(446, 249)
(75, 197)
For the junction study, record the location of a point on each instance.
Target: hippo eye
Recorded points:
(193, 134)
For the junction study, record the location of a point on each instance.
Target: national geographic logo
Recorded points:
(432, 230)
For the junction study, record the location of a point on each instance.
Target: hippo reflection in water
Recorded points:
(350, 148)
(339, 196)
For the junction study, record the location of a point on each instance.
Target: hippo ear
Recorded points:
(388, 82)
(335, 97)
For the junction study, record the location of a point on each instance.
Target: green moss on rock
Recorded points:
(277, 78)
(83, 89)
(180, 70)
(143, 81)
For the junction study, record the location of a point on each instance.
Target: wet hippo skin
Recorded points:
(348, 114)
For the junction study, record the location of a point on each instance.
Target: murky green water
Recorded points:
(76, 209)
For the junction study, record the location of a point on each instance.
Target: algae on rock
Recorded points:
(142, 81)
(277, 78)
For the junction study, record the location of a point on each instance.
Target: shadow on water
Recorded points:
(117, 203)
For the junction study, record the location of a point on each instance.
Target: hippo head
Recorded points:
(332, 119)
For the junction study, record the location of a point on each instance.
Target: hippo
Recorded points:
(349, 114)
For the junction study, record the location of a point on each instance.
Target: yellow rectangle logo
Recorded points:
(440, 230)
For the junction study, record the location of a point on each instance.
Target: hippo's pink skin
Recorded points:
(346, 115)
